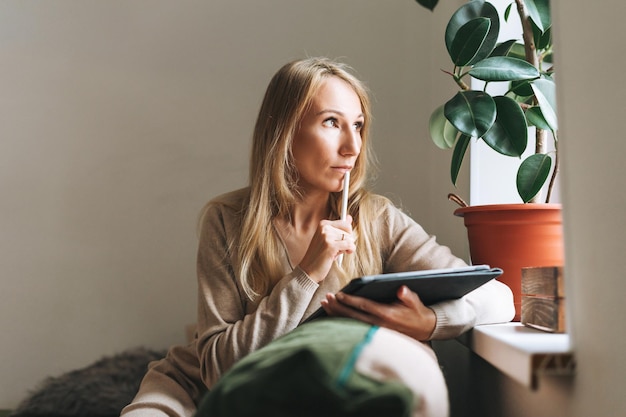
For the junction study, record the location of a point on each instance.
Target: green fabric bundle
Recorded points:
(308, 372)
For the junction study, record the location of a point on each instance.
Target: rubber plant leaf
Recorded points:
(429, 4)
(522, 88)
(471, 112)
(517, 51)
(542, 39)
(509, 133)
(535, 118)
(504, 68)
(457, 157)
(467, 12)
(469, 41)
(545, 92)
(507, 12)
(502, 49)
(532, 174)
(442, 132)
(539, 12)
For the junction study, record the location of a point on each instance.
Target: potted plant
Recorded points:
(504, 235)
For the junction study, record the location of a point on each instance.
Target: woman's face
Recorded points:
(328, 140)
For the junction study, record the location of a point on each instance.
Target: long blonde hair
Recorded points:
(273, 177)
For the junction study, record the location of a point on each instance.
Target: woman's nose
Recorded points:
(351, 143)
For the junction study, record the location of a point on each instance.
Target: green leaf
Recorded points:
(442, 133)
(429, 4)
(533, 13)
(503, 68)
(517, 51)
(539, 12)
(545, 92)
(509, 133)
(470, 11)
(507, 12)
(469, 40)
(457, 157)
(522, 88)
(546, 40)
(535, 118)
(532, 174)
(471, 112)
(548, 58)
(502, 49)
(542, 39)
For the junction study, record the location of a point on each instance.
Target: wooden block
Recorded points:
(546, 281)
(544, 313)
(543, 299)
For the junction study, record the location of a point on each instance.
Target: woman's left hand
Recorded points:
(407, 315)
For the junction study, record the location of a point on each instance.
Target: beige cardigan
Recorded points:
(230, 326)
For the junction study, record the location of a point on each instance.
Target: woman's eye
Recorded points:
(358, 126)
(330, 122)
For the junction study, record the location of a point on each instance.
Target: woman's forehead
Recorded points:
(336, 95)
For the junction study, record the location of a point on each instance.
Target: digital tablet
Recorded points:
(432, 285)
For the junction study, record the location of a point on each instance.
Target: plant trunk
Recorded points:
(527, 34)
(555, 171)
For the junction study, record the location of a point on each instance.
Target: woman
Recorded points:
(267, 253)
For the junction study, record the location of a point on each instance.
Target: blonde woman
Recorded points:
(267, 253)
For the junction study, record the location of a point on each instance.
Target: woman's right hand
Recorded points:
(332, 238)
(407, 315)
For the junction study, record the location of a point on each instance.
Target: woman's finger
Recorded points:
(407, 315)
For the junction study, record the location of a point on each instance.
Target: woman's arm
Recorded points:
(487, 304)
(405, 247)
(229, 325)
(412, 249)
(171, 388)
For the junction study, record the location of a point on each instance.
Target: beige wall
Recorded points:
(119, 119)
(592, 113)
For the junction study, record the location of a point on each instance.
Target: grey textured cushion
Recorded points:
(101, 389)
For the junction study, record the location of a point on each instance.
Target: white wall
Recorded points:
(119, 119)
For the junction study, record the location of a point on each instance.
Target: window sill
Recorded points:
(520, 352)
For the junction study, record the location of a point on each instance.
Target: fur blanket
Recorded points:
(101, 389)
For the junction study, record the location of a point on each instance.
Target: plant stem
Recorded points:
(531, 56)
(540, 141)
(527, 34)
(556, 168)
(460, 82)
(540, 147)
(458, 78)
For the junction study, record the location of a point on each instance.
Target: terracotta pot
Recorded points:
(514, 236)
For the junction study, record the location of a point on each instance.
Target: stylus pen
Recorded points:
(344, 205)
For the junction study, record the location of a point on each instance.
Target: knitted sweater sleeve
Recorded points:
(171, 387)
(228, 326)
(411, 248)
